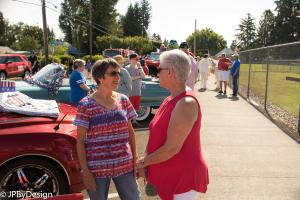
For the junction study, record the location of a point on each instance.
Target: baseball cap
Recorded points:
(183, 45)
(133, 55)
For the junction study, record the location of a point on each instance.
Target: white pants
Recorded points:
(203, 78)
(190, 195)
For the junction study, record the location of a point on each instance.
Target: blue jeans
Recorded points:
(235, 86)
(126, 186)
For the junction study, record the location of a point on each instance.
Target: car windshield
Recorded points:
(3, 59)
(48, 73)
(111, 53)
(154, 56)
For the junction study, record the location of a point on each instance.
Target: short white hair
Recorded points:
(78, 63)
(179, 61)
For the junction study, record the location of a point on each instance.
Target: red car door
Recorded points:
(10, 66)
(19, 65)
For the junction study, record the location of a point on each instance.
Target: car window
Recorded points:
(111, 53)
(154, 56)
(16, 59)
(3, 59)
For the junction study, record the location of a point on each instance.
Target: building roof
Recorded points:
(227, 51)
(4, 49)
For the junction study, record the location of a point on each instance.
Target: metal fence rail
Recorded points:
(266, 80)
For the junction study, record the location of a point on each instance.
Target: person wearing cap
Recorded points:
(235, 73)
(223, 67)
(125, 84)
(193, 70)
(137, 74)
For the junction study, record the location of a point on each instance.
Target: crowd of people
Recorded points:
(172, 163)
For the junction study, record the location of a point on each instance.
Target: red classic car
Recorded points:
(14, 65)
(38, 154)
(152, 61)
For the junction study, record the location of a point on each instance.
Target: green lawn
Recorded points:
(285, 94)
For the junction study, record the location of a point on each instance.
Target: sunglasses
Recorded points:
(114, 73)
(160, 69)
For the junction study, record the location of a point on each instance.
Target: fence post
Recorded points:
(248, 89)
(267, 78)
(299, 120)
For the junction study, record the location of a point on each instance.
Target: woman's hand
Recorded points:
(141, 173)
(89, 180)
(135, 169)
(141, 163)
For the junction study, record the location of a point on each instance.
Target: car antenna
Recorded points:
(57, 126)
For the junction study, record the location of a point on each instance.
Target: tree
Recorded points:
(287, 27)
(207, 41)
(233, 45)
(265, 29)
(74, 21)
(137, 19)
(247, 33)
(2, 25)
(26, 43)
(130, 22)
(145, 15)
(156, 37)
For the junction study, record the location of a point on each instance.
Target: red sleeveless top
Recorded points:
(186, 170)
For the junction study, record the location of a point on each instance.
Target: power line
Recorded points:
(79, 19)
(27, 2)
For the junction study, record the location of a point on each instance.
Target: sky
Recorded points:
(171, 19)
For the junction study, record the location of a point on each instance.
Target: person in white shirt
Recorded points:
(203, 67)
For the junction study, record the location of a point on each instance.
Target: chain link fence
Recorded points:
(270, 80)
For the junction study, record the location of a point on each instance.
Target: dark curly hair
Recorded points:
(100, 67)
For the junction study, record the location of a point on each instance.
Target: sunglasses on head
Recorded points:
(114, 73)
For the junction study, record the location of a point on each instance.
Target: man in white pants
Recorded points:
(203, 67)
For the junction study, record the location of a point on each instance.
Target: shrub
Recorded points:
(51, 59)
(64, 59)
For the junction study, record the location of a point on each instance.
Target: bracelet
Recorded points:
(139, 68)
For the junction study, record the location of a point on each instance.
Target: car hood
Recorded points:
(21, 84)
(13, 123)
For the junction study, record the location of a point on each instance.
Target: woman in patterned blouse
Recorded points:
(106, 144)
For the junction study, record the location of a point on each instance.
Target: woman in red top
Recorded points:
(174, 161)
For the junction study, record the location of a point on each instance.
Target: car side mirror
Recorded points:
(8, 62)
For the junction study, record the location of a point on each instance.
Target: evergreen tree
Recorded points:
(145, 15)
(287, 27)
(247, 33)
(130, 22)
(137, 19)
(265, 29)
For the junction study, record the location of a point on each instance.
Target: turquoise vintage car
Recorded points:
(49, 83)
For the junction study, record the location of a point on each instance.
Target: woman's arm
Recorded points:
(132, 141)
(181, 122)
(88, 178)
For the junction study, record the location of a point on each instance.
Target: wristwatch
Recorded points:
(139, 68)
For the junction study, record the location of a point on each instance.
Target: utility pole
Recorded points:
(195, 37)
(91, 30)
(45, 32)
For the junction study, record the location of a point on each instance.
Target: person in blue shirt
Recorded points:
(235, 73)
(79, 88)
